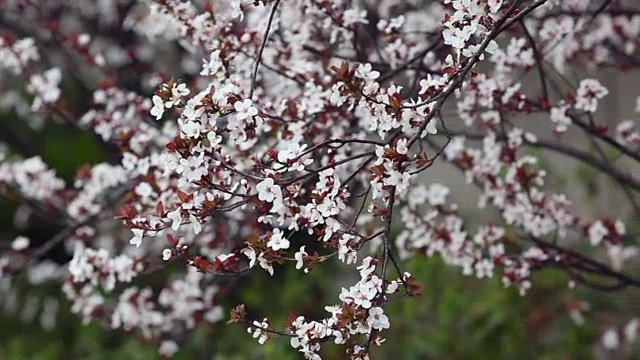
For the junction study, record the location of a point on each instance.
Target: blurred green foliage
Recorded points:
(454, 318)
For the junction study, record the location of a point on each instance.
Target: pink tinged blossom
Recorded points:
(396, 178)
(619, 227)
(363, 295)
(337, 98)
(627, 133)
(377, 319)
(268, 191)
(588, 94)
(472, 50)
(333, 310)
(167, 254)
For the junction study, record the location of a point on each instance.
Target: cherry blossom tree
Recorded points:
(233, 128)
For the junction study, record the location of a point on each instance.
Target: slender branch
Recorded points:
(264, 43)
(571, 152)
(538, 57)
(585, 263)
(604, 137)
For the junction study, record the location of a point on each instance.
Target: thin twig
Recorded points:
(264, 43)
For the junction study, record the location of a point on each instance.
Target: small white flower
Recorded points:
(399, 180)
(251, 254)
(168, 348)
(492, 47)
(225, 257)
(245, 109)
(366, 72)
(631, 330)
(258, 330)
(277, 241)
(265, 264)
(195, 224)
(144, 190)
(83, 39)
(20, 243)
(137, 237)
(167, 254)
(158, 107)
(588, 94)
(45, 87)
(597, 232)
(176, 218)
(559, 118)
(268, 190)
(437, 194)
(236, 10)
(430, 128)
(299, 256)
(392, 287)
(610, 339)
(190, 129)
(377, 319)
(180, 90)
(401, 147)
(346, 253)
(494, 5)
